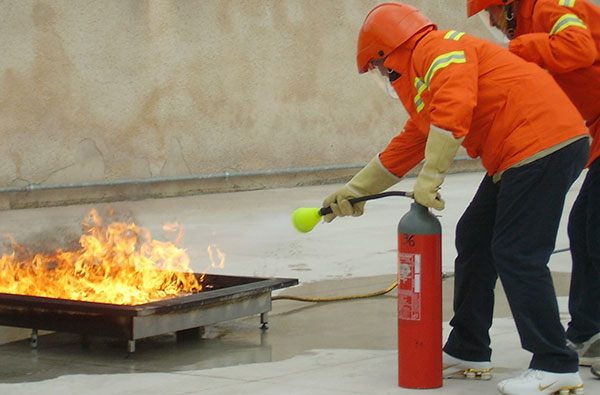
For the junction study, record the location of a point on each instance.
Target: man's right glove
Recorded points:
(439, 153)
(371, 179)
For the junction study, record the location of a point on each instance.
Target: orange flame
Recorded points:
(117, 263)
(220, 256)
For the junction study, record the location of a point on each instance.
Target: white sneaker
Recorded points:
(454, 368)
(588, 351)
(534, 381)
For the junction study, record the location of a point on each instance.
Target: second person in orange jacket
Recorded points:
(563, 37)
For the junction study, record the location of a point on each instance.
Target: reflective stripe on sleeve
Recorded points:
(420, 85)
(566, 21)
(566, 3)
(454, 35)
(443, 61)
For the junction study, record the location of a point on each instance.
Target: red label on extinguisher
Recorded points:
(409, 286)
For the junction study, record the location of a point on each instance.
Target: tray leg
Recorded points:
(34, 339)
(264, 320)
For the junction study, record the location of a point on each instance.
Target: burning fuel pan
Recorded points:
(224, 298)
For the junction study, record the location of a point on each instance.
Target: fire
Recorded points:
(117, 262)
(214, 254)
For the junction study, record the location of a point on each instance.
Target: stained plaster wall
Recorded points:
(96, 92)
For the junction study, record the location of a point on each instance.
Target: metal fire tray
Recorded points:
(223, 298)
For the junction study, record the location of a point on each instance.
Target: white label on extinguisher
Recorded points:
(409, 286)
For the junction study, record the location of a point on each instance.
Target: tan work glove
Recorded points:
(439, 153)
(371, 179)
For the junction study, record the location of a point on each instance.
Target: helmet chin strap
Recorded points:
(394, 75)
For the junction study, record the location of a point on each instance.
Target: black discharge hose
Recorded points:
(327, 210)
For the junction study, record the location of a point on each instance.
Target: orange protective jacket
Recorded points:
(506, 109)
(563, 37)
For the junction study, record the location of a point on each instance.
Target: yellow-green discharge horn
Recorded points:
(306, 218)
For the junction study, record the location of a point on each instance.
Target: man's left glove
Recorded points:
(371, 179)
(439, 153)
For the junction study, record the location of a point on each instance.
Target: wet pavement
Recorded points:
(342, 347)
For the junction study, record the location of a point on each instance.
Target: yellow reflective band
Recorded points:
(443, 61)
(566, 21)
(420, 85)
(454, 35)
(566, 3)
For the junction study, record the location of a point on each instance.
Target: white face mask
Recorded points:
(381, 75)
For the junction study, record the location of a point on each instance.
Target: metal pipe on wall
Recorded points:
(199, 177)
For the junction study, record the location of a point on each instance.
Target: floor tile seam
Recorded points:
(197, 373)
(313, 388)
(301, 371)
(316, 387)
(264, 380)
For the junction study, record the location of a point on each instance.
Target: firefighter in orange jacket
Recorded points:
(563, 37)
(461, 90)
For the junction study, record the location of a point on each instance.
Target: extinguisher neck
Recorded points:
(419, 220)
(418, 207)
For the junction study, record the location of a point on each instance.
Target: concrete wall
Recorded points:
(119, 99)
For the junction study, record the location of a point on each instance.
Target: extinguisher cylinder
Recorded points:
(419, 299)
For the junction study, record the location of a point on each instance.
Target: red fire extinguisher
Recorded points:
(419, 299)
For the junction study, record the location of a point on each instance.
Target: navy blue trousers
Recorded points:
(509, 231)
(584, 239)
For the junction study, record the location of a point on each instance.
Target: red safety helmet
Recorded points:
(385, 28)
(474, 6)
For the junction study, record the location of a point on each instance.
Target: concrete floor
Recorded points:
(346, 347)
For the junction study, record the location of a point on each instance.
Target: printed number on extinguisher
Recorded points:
(409, 286)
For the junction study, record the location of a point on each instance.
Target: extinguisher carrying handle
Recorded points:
(327, 210)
